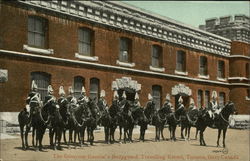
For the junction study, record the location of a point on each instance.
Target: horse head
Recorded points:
(229, 108)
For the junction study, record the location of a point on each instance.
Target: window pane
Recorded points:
(78, 84)
(207, 98)
(124, 50)
(221, 99)
(180, 62)
(94, 88)
(84, 45)
(199, 98)
(31, 38)
(156, 94)
(31, 24)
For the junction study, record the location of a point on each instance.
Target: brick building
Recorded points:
(114, 46)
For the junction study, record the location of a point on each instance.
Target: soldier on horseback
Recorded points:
(167, 104)
(123, 100)
(102, 103)
(150, 105)
(213, 108)
(50, 99)
(83, 98)
(180, 103)
(71, 98)
(192, 105)
(62, 100)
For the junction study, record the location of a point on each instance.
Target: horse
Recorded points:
(26, 120)
(159, 121)
(115, 114)
(173, 119)
(221, 122)
(187, 121)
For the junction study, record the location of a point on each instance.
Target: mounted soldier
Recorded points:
(62, 101)
(137, 103)
(83, 98)
(180, 103)
(192, 105)
(213, 108)
(102, 103)
(49, 100)
(33, 99)
(167, 104)
(151, 108)
(71, 98)
(123, 100)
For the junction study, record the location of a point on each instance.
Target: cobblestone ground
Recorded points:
(237, 149)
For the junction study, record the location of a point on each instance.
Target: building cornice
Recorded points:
(239, 56)
(131, 19)
(105, 67)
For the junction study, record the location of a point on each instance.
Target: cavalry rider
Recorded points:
(192, 105)
(213, 107)
(102, 103)
(137, 103)
(62, 100)
(50, 99)
(167, 104)
(83, 98)
(33, 100)
(123, 100)
(150, 105)
(71, 98)
(180, 103)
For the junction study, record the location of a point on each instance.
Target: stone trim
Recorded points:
(221, 79)
(180, 73)
(38, 50)
(131, 19)
(204, 76)
(125, 64)
(239, 56)
(237, 78)
(157, 69)
(88, 58)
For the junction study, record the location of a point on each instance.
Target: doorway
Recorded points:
(130, 93)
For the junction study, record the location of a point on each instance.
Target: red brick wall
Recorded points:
(238, 96)
(240, 48)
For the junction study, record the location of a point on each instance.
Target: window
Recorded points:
(247, 71)
(42, 80)
(221, 69)
(94, 88)
(79, 82)
(36, 31)
(248, 94)
(156, 94)
(203, 65)
(200, 98)
(156, 56)
(125, 50)
(181, 61)
(207, 98)
(221, 99)
(85, 42)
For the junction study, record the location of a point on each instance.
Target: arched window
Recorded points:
(157, 94)
(94, 88)
(247, 71)
(156, 56)
(200, 98)
(221, 69)
(222, 97)
(78, 83)
(42, 80)
(37, 27)
(85, 41)
(181, 61)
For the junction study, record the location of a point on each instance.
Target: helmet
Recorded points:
(116, 94)
(168, 97)
(136, 96)
(33, 85)
(71, 90)
(214, 94)
(50, 89)
(61, 91)
(83, 90)
(124, 95)
(180, 99)
(150, 97)
(102, 93)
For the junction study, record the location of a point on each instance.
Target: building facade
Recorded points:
(114, 46)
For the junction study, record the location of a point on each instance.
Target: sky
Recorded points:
(193, 13)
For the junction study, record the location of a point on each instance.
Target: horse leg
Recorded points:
(26, 136)
(218, 139)
(224, 137)
(51, 137)
(182, 128)
(120, 128)
(162, 128)
(33, 135)
(170, 132)
(59, 138)
(174, 128)
(75, 133)
(196, 133)
(21, 131)
(64, 136)
(70, 135)
(189, 128)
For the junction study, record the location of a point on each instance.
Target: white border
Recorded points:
(88, 58)
(38, 50)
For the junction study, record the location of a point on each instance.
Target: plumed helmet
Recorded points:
(136, 96)
(168, 97)
(214, 94)
(124, 95)
(71, 90)
(191, 101)
(83, 90)
(116, 94)
(180, 99)
(102, 93)
(50, 89)
(150, 97)
(61, 91)
(33, 85)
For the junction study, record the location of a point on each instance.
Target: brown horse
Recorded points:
(221, 122)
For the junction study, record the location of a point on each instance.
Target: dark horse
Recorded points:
(115, 115)
(189, 120)
(159, 121)
(221, 122)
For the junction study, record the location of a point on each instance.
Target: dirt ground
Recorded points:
(237, 142)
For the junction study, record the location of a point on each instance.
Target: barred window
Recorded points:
(207, 98)
(222, 98)
(181, 61)
(79, 82)
(156, 56)
(42, 80)
(37, 31)
(157, 94)
(200, 98)
(221, 69)
(125, 50)
(94, 88)
(85, 41)
(203, 65)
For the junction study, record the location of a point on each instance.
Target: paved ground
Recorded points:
(237, 149)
